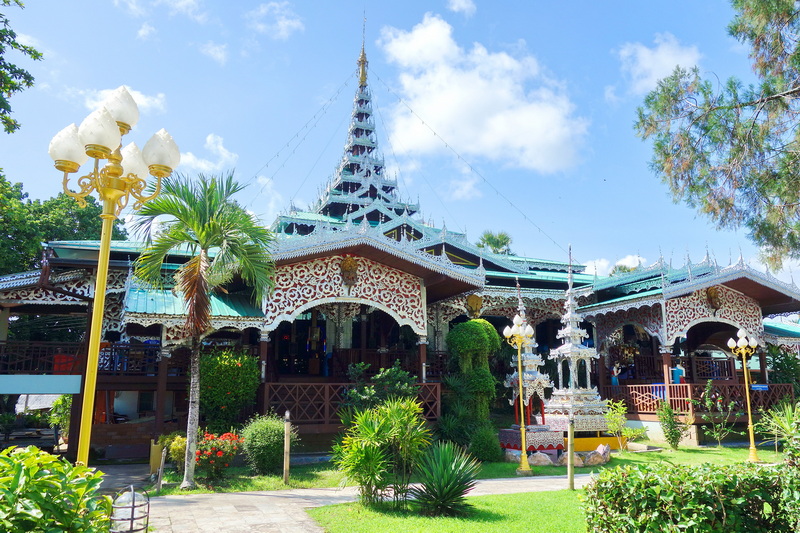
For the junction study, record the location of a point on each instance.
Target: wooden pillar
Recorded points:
(266, 372)
(423, 354)
(161, 393)
(666, 363)
(363, 346)
(602, 372)
(762, 366)
(5, 314)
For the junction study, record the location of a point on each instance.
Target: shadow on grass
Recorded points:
(473, 515)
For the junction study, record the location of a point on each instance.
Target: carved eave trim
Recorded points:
(336, 241)
(731, 273)
(217, 323)
(622, 306)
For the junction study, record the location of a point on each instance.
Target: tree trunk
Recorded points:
(194, 417)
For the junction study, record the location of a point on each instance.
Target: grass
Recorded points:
(240, 479)
(325, 475)
(532, 512)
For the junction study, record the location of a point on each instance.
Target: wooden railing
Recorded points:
(645, 399)
(27, 357)
(318, 403)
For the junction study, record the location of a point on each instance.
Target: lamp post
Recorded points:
(519, 335)
(99, 137)
(745, 347)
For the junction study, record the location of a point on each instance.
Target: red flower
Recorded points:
(219, 453)
(211, 461)
(208, 452)
(198, 452)
(226, 465)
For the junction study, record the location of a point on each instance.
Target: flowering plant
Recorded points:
(215, 453)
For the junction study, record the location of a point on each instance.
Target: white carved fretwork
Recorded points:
(732, 308)
(648, 317)
(300, 286)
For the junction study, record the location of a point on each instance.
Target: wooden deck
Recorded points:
(644, 399)
(314, 407)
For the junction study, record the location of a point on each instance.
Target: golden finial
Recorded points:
(362, 60)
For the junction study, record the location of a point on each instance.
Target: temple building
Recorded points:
(360, 277)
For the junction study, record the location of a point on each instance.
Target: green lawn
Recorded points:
(323, 475)
(533, 512)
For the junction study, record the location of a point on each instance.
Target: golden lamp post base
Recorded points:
(524, 471)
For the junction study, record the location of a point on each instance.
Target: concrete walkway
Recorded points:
(283, 511)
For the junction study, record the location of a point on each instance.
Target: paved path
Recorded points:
(282, 511)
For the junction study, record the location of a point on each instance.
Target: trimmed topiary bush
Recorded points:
(229, 380)
(177, 451)
(263, 443)
(446, 475)
(701, 498)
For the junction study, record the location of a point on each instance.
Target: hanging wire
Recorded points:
(299, 137)
(467, 163)
(422, 174)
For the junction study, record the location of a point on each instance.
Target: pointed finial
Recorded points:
(362, 60)
(569, 270)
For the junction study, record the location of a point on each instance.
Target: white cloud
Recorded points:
(483, 104)
(643, 66)
(276, 20)
(189, 8)
(147, 104)
(466, 7)
(134, 7)
(601, 267)
(465, 188)
(217, 52)
(214, 144)
(631, 261)
(145, 31)
(273, 201)
(610, 94)
(28, 40)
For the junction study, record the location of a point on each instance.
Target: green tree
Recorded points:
(225, 241)
(19, 239)
(61, 219)
(498, 243)
(731, 150)
(12, 78)
(25, 224)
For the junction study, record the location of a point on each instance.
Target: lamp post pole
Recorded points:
(518, 336)
(745, 347)
(99, 137)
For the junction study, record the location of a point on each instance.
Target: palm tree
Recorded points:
(499, 243)
(224, 241)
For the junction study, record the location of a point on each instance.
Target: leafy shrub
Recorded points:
(60, 413)
(720, 417)
(704, 498)
(674, 430)
(392, 382)
(485, 446)
(785, 367)
(783, 422)
(381, 449)
(616, 422)
(42, 492)
(215, 453)
(263, 443)
(177, 452)
(229, 380)
(8, 422)
(446, 475)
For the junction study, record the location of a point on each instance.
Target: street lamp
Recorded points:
(519, 335)
(99, 137)
(745, 347)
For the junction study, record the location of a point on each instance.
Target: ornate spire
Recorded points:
(360, 178)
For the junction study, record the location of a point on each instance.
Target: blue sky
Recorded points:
(513, 115)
